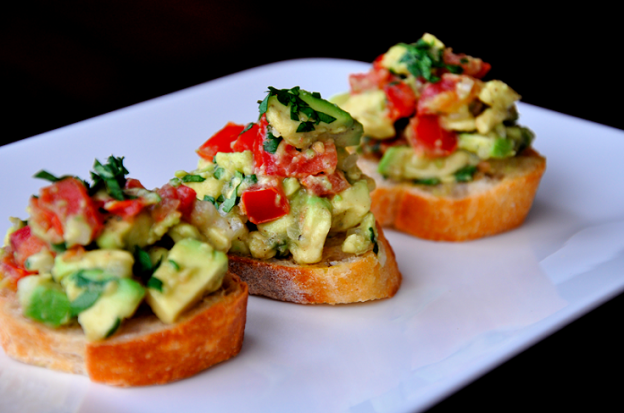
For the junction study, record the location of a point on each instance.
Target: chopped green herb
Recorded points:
(211, 200)
(113, 328)
(143, 266)
(111, 176)
(374, 241)
(427, 181)
(193, 178)
(249, 126)
(47, 176)
(174, 264)
(60, 247)
(422, 61)
(155, 284)
(218, 172)
(271, 142)
(175, 182)
(84, 301)
(465, 174)
(251, 179)
(290, 98)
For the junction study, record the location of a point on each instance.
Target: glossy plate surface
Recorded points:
(462, 309)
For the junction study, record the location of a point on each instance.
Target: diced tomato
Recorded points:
(287, 161)
(127, 208)
(447, 95)
(401, 100)
(264, 204)
(323, 185)
(60, 201)
(173, 198)
(133, 183)
(376, 78)
(10, 271)
(245, 141)
(427, 135)
(24, 244)
(220, 141)
(472, 66)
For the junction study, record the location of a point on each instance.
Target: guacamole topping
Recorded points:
(92, 253)
(428, 116)
(287, 182)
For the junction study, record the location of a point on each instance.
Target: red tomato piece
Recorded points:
(133, 183)
(245, 141)
(324, 185)
(220, 141)
(427, 135)
(376, 78)
(10, 271)
(60, 201)
(401, 100)
(472, 66)
(24, 244)
(287, 161)
(127, 208)
(264, 204)
(181, 198)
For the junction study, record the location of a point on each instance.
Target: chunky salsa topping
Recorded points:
(92, 253)
(289, 177)
(432, 103)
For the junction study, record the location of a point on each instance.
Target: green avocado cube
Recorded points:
(114, 262)
(102, 301)
(43, 300)
(192, 269)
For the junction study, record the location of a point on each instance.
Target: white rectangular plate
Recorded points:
(463, 308)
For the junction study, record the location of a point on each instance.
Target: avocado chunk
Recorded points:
(114, 262)
(488, 146)
(314, 222)
(401, 162)
(102, 301)
(361, 238)
(192, 269)
(301, 118)
(43, 300)
(350, 206)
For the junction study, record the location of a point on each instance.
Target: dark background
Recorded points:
(65, 61)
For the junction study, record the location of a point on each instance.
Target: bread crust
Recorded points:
(144, 351)
(338, 278)
(472, 210)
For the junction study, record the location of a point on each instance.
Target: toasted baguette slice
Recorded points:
(495, 203)
(144, 351)
(339, 278)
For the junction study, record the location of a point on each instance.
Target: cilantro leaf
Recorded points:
(290, 98)
(211, 200)
(155, 284)
(271, 143)
(427, 181)
(465, 174)
(113, 328)
(193, 178)
(218, 172)
(47, 176)
(143, 267)
(374, 240)
(111, 175)
(422, 60)
(83, 302)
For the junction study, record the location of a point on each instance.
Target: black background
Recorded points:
(62, 62)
